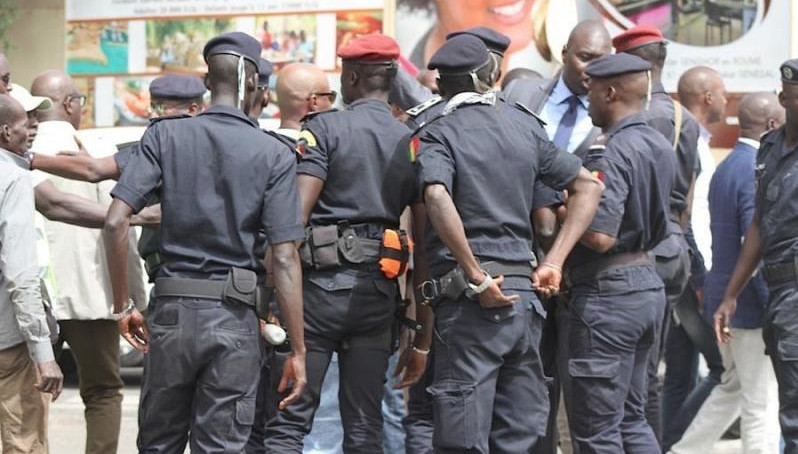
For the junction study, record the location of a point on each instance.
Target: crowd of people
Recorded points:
(523, 259)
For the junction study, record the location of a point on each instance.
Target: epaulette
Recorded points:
(599, 143)
(414, 111)
(318, 112)
(427, 123)
(168, 117)
(526, 109)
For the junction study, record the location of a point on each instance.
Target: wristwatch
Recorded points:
(116, 316)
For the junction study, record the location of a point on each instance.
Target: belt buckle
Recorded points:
(429, 290)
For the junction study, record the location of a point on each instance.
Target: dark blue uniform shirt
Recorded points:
(731, 209)
(489, 157)
(777, 185)
(661, 116)
(636, 166)
(223, 180)
(367, 177)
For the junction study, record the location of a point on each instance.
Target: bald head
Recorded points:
(296, 85)
(58, 86)
(758, 113)
(588, 40)
(703, 93)
(613, 99)
(13, 125)
(5, 75)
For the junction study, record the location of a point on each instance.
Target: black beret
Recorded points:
(265, 69)
(177, 86)
(233, 43)
(460, 55)
(615, 65)
(496, 42)
(789, 71)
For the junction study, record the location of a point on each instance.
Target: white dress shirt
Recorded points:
(78, 268)
(700, 214)
(555, 109)
(22, 316)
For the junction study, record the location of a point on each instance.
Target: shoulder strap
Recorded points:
(677, 123)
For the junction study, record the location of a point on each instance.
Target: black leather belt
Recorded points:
(453, 284)
(590, 270)
(200, 288)
(780, 272)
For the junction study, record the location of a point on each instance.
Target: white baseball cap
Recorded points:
(28, 101)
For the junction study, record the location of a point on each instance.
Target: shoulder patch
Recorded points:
(317, 113)
(282, 139)
(529, 111)
(414, 111)
(306, 139)
(168, 117)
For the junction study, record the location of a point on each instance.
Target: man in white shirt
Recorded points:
(26, 355)
(84, 303)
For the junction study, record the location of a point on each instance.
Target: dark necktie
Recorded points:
(566, 126)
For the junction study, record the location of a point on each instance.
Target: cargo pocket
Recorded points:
(595, 386)
(455, 413)
(788, 357)
(244, 418)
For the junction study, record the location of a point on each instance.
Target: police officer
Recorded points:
(772, 238)
(472, 165)
(497, 44)
(354, 182)
(223, 181)
(617, 299)
(262, 97)
(681, 130)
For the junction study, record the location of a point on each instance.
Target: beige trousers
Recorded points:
(23, 410)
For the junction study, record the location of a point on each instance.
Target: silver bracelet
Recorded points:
(477, 289)
(116, 316)
(418, 350)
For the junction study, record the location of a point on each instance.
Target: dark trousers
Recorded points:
(781, 341)
(200, 376)
(418, 423)
(349, 311)
(548, 355)
(267, 398)
(613, 324)
(683, 391)
(489, 393)
(673, 267)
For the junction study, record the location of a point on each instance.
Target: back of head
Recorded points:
(758, 113)
(703, 93)
(619, 86)
(646, 42)
(464, 64)
(369, 67)
(296, 83)
(57, 86)
(520, 73)
(694, 82)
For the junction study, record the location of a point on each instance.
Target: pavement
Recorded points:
(67, 426)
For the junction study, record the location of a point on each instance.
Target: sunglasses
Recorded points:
(331, 95)
(81, 98)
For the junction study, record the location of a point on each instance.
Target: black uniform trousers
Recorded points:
(489, 393)
(199, 383)
(613, 322)
(418, 422)
(350, 311)
(780, 332)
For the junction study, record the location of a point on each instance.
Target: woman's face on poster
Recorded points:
(511, 17)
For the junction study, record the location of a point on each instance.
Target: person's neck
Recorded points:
(752, 134)
(620, 114)
(291, 123)
(791, 133)
(576, 91)
(700, 113)
(225, 99)
(377, 96)
(14, 152)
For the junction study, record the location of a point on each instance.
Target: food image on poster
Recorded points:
(690, 22)
(131, 101)
(97, 47)
(177, 44)
(288, 37)
(351, 25)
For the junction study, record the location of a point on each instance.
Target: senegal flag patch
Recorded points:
(306, 139)
(412, 151)
(599, 175)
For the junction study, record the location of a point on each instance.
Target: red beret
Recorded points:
(636, 37)
(374, 47)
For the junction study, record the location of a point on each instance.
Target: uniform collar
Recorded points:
(561, 93)
(369, 102)
(221, 109)
(748, 142)
(470, 97)
(631, 120)
(14, 159)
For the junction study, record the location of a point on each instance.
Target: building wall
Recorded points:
(37, 39)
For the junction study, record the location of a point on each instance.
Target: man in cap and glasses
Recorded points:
(202, 329)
